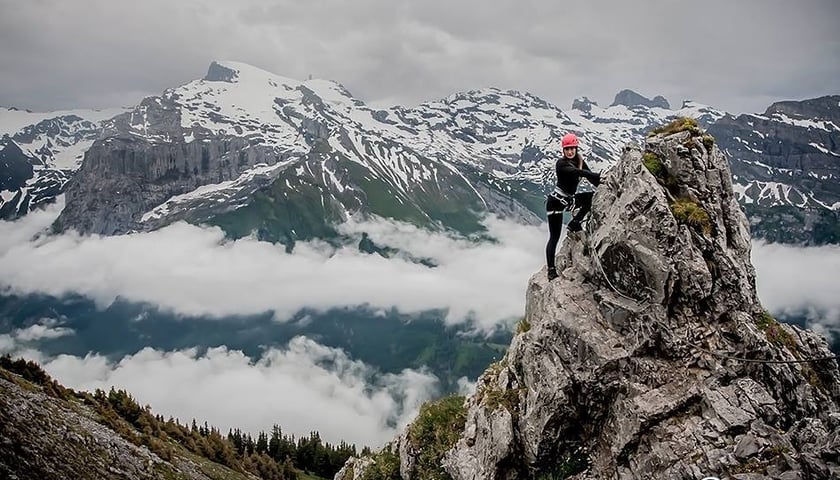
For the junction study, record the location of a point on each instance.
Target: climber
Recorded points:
(565, 198)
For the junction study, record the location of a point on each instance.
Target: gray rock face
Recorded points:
(787, 156)
(125, 175)
(622, 372)
(614, 379)
(219, 73)
(630, 98)
(583, 104)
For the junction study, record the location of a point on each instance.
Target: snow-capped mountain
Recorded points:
(255, 152)
(258, 153)
(786, 165)
(39, 153)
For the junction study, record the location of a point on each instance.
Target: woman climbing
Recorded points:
(570, 168)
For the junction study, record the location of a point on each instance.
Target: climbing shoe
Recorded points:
(552, 274)
(575, 226)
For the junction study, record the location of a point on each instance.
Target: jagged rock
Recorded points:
(583, 104)
(354, 469)
(615, 364)
(630, 98)
(623, 372)
(220, 73)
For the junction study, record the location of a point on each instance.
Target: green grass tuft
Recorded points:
(386, 466)
(654, 165)
(775, 333)
(436, 430)
(690, 213)
(708, 141)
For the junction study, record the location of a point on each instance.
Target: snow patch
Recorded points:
(164, 209)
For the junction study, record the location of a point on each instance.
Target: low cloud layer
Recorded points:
(302, 387)
(800, 280)
(195, 271)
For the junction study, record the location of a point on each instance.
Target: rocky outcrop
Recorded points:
(630, 98)
(126, 174)
(631, 364)
(583, 104)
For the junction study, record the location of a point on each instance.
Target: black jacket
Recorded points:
(568, 175)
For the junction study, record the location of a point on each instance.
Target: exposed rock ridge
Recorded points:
(609, 385)
(609, 378)
(629, 98)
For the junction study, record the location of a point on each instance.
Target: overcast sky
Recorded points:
(739, 56)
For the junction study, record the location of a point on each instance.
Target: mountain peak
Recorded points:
(822, 108)
(629, 98)
(221, 73)
(239, 72)
(584, 104)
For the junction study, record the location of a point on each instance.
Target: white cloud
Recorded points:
(303, 387)
(195, 271)
(800, 279)
(407, 52)
(38, 332)
(20, 339)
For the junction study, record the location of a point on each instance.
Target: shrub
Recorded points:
(708, 141)
(507, 398)
(386, 466)
(690, 213)
(654, 164)
(437, 427)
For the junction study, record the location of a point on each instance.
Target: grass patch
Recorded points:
(654, 164)
(680, 124)
(811, 376)
(708, 141)
(386, 466)
(523, 326)
(507, 398)
(753, 465)
(690, 213)
(436, 430)
(774, 332)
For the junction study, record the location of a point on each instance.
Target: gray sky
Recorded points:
(739, 56)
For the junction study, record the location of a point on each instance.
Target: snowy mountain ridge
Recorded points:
(240, 128)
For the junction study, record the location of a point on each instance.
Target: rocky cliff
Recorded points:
(650, 356)
(785, 162)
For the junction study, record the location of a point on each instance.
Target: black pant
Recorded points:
(555, 208)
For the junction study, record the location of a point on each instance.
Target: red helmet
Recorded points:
(570, 140)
